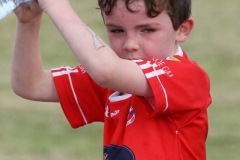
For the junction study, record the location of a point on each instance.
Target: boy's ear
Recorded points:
(185, 29)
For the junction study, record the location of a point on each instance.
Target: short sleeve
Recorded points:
(82, 100)
(179, 85)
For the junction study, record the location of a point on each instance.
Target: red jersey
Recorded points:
(171, 125)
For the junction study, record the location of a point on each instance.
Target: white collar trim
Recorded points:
(179, 51)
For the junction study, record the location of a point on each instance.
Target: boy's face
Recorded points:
(137, 36)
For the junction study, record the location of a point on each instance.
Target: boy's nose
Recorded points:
(131, 44)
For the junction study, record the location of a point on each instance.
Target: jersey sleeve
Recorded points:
(82, 100)
(179, 85)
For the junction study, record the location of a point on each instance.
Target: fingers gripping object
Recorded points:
(7, 6)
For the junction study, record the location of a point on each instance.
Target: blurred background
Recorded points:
(37, 130)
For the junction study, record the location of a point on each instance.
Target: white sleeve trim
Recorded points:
(68, 71)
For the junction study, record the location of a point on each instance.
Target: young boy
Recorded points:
(152, 99)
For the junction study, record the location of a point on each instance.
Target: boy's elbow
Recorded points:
(19, 93)
(20, 90)
(16, 89)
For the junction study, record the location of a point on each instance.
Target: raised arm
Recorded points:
(99, 60)
(28, 78)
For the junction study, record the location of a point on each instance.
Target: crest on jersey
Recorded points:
(114, 152)
(131, 116)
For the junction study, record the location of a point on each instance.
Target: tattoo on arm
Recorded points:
(96, 41)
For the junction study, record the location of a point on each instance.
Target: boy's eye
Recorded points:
(116, 31)
(148, 30)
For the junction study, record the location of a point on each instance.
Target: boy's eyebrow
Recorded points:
(147, 25)
(137, 26)
(111, 25)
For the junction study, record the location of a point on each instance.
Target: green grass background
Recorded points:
(37, 130)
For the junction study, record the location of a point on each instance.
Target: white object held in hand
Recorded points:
(7, 6)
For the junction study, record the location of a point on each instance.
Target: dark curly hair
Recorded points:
(178, 10)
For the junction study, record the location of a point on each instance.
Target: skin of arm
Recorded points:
(28, 78)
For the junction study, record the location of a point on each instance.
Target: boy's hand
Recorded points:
(28, 12)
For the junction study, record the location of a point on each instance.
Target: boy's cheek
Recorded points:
(116, 45)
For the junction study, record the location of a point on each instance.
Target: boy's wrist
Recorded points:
(30, 26)
(31, 22)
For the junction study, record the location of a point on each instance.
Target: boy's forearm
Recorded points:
(89, 49)
(26, 60)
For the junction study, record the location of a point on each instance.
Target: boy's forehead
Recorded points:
(136, 6)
